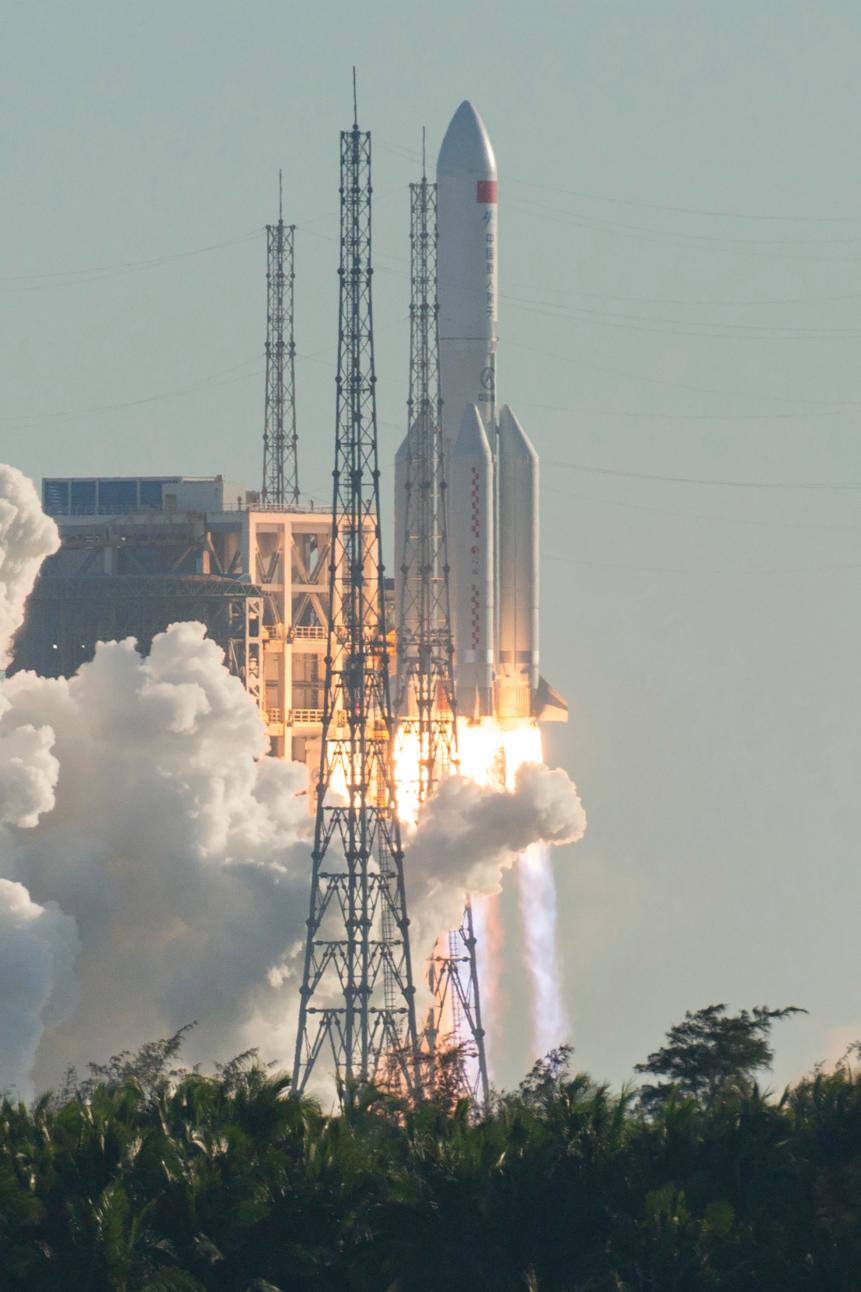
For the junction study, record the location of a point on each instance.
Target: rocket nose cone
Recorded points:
(466, 145)
(472, 438)
(408, 444)
(512, 437)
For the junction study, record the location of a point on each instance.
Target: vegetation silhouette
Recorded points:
(147, 1177)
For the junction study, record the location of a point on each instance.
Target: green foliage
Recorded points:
(713, 1055)
(144, 1182)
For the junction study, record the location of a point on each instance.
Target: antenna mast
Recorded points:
(357, 1001)
(280, 441)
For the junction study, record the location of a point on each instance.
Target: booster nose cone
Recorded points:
(472, 440)
(466, 146)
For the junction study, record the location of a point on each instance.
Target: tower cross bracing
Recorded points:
(280, 439)
(425, 695)
(357, 1007)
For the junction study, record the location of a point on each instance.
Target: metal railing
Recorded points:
(306, 717)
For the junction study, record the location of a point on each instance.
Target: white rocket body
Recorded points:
(491, 465)
(517, 502)
(467, 270)
(472, 576)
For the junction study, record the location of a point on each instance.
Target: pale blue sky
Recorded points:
(680, 267)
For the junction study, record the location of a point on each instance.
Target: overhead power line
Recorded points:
(835, 485)
(687, 210)
(411, 154)
(218, 379)
(696, 516)
(126, 266)
(683, 385)
(698, 571)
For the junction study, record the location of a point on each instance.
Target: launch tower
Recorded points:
(357, 1001)
(425, 691)
(280, 441)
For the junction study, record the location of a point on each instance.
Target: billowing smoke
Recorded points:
(154, 864)
(38, 947)
(470, 834)
(38, 944)
(28, 768)
(179, 849)
(27, 536)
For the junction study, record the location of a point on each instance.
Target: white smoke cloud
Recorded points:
(155, 864)
(28, 770)
(27, 536)
(178, 848)
(470, 834)
(38, 945)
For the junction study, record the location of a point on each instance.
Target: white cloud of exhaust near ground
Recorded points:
(155, 865)
(38, 944)
(38, 948)
(179, 850)
(27, 536)
(28, 768)
(470, 834)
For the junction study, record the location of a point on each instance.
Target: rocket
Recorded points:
(492, 469)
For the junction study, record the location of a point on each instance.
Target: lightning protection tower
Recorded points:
(425, 652)
(280, 441)
(357, 1003)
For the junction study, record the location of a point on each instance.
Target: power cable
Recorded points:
(701, 570)
(219, 379)
(824, 485)
(688, 210)
(127, 266)
(681, 385)
(688, 515)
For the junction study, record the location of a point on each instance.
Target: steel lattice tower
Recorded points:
(426, 704)
(453, 979)
(425, 695)
(357, 996)
(280, 441)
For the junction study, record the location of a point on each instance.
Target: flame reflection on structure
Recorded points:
(491, 753)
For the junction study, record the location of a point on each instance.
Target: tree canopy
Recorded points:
(137, 1180)
(712, 1054)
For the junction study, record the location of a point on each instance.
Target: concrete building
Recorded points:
(141, 553)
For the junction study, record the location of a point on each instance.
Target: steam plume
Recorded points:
(469, 834)
(154, 864)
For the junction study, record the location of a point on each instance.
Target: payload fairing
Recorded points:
(491, 466)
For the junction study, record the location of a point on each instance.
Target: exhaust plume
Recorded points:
(470, 834)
